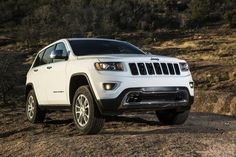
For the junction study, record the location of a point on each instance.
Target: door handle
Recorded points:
(35, 70)
(49, 67)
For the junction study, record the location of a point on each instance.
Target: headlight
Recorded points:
(109, 66)
(184, 66)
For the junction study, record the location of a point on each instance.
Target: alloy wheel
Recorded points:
(30, 107)
(82, 110)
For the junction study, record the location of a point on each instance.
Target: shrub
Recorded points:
(6, 77)
(230, 17)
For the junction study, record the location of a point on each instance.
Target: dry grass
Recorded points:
(211, 55)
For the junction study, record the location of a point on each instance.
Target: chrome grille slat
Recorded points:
(164, 68)
(171, 68)
(149, 68)
(142, 69)
(177, 71)
(133, 69)
(158, 68)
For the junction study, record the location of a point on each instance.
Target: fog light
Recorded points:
(109, 86)
(191, 84)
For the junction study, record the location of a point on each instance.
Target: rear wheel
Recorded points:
(85, 113)
(33, 112)
(172, 117)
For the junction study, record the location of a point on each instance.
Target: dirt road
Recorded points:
(204, 134)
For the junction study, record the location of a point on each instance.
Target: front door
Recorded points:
(56, 79)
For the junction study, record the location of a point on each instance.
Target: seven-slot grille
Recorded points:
(154, 68)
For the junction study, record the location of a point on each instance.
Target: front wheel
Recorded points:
(85, 113)
(172, 117)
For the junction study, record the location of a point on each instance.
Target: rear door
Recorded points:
(38, 79)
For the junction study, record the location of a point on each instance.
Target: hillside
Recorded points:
(209, 51)
(200, 31)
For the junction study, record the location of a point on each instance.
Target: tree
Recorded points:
(6, 77)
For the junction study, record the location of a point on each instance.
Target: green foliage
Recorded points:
(202, 12)
(42, 19)
(230, 17)
(229, 12)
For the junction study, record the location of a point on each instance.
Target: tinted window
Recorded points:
(96, 47)
(38, 60)
(46, 57)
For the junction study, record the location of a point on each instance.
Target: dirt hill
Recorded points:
(209, 131)
(211, 54)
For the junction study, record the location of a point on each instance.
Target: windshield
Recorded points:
(99, 47)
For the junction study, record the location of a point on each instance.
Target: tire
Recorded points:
(85, 112)
(33, 112)
(171, 117)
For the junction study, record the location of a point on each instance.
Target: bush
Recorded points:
(6, 77)
(230, 17)
(50, 20)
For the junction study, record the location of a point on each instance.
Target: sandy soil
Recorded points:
(212, 59)
(204, 134)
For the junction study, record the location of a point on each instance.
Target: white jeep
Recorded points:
(99, 77)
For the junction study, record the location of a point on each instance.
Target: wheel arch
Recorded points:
(28, 88)
(77, 80)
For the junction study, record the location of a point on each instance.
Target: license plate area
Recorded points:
(156, 97)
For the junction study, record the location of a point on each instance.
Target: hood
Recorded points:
(130, 58)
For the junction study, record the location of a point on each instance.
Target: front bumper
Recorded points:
(124, 81)
(147, 98)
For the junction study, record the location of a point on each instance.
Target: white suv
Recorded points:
(98, 77)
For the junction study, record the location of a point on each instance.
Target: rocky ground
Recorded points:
(204, 134)
(209, 131)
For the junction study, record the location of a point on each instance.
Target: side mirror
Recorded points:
(57, 54)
